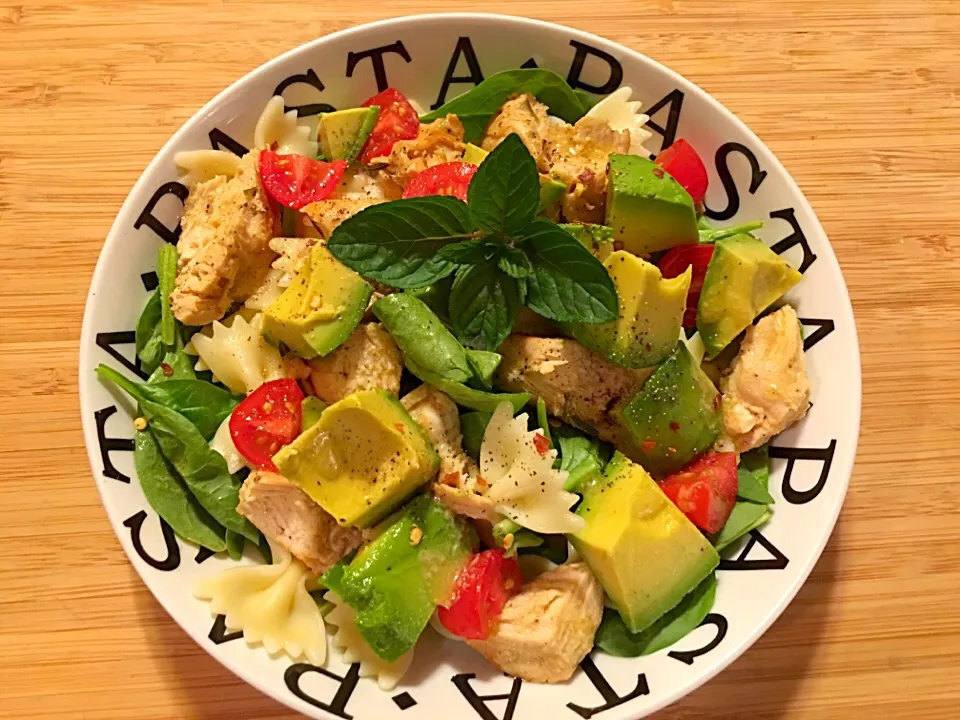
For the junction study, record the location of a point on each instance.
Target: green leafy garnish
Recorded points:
(505, 192)
(744, 517)
(582, 457)
(475, 107)
(148, 334)
(522, 538)
(484, 364)
(710, 234)
(614, 638)
(472, 426)
(753, 474)
(484, 302)
(235, 543)
(167, 275)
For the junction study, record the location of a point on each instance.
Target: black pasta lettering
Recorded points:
(757, 177)
(219, 140)
(792, 455)
(673, 101)
(779, 561)
(583, 51)
(172, 561)
(824, 328)
(797, 237)
(106, 342)
(346, 685)
(150, 281)
(109, 445)
(610, 697)
(688, 656)
(465, 50)
(376, 58)
(479, 702)
(146, 216)
(308, 78)
(218, 633)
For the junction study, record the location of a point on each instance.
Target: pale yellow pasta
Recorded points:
(237, 354)
(523, 484)
(621, 113)
(222, 443)
(201, 165)
(270, 605)
(350, 643)
(276, 126)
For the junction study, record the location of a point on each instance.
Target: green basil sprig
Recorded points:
(501, 254)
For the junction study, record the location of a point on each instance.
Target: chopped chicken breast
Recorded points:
(224, 246)
(766, 389)
(548, 627)
(525, 116)
(438, 142)
(368, 360)
(288, 516)
(326, 215)
(578, 385)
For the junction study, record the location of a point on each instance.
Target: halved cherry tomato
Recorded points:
(451, 178)
(296, 180)
(678, 259)
(705, 490)
(398, 121)
(481, 591)
(266, 421)
(686, 167)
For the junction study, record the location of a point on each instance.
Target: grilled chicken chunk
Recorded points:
(438, 142)
(224, 247)
(548, 627)
(368, 360)
(766, 389)
(326, 215)
(578, 385)
(525, 116)
(287, 515)
(456, 486)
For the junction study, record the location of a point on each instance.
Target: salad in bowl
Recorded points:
(485, 371)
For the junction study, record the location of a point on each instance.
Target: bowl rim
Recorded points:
(844, 463)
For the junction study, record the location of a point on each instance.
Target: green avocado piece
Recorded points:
(322, 306)
(647, 209)
(363, 457)
(551, 191)
(650, 314)
(343, 132)
(743, 279)
(673, 418)
(474, 154)
(646, 554)
(395, 585)
(311, 409)
(598, 239)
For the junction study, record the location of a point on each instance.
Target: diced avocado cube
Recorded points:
(311, 409)
(673, 418)
(743, 279)
(598, 239)
(649, 318)
(322, 306)
(395, 584)
(474, 154)
(648, 210)
(365, 456)
(646, 554)
(551, 191)
(344, 132)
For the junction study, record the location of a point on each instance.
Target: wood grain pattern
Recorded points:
(859, 98)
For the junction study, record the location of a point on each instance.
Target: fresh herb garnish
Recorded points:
(710, 234)
(502, 255)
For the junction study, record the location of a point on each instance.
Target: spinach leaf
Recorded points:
(170, 497)
(472, 426)
(149, 342)
(581, 456)
(167, 274)
(422, 337)
(435, 296)
(484, 303)
(554, 548)
(614, 638)
(203, 470)
(505, 191)
(204, 404)
(476, 106)
(744, 517)
(542, 419)
(568, 283)
(710, 234)
(397, 242)
(467, 397)
(753, 474)
(484, 364)
(235, 543)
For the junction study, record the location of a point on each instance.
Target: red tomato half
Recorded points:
(686, 167)
(705, 490)
(481, 591)
(398, 121)
(678, 259)
(266, 421)
(452, 178)
(295, 180)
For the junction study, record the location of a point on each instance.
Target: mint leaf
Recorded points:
(514, 262)
(505, 191)
(483, 306)
(568, 283)
(469, 252)
(476, 106)
(397, 243)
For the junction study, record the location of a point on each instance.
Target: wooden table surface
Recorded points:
(859, 98)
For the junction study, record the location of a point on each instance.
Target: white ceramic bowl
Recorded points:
(813, 460)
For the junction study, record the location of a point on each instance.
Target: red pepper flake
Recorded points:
(167, 369)
(657, 172)
(541, 443)
(675, 426)
(452, 479)
(648, 446)
(671, 450)
(399, 426)
(482, 481)
(717, 401)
